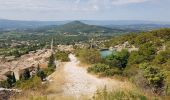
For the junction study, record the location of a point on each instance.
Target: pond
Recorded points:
(105, 53)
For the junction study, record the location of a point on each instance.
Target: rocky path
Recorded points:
(77, 82)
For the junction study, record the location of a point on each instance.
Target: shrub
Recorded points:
(51, 63)
(26, 75)
(162, 57)
(154, 76)
(33, 83)
(119, 59)
(118, 95)
(48, 71)
(97, 68)
(62, 55)
(5, 84)
(41, 74)
(9, 82)
(112, 72)
(89, 56)
(104, 70)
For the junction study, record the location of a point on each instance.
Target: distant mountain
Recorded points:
(82, 26)
(139, 27)
(15, 24)
(123, 22)
(77, 27)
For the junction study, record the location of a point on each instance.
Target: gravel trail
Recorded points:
(79, 82)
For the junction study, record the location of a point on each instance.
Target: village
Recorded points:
(28, 61)
(33, 59)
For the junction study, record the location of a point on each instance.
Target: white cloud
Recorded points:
(48, 5)
(62, 5)
(122, 2)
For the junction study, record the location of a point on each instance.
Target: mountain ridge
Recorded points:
(76, 27)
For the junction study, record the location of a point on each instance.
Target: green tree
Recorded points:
(162, 57)
(41, 74)
(135, 58)
(26, 75)
(120, 59)
(13, 78)
(154, 75)
(51, 63)
(148, 50)
(89, 56)
(123, 58)
(9, 82)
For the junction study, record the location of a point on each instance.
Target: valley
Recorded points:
(77, 61)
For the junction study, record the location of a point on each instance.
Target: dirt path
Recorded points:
(74, 80)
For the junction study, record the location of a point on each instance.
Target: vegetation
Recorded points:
(62, 55)
(33, 83)
(111, 65)
(119, 95)
(77, 27)
(148, 67)
(104, 70)
(89, 56)
(51, 62)
(10, 82)
(118, 59)
(26, 75)
(155, 77)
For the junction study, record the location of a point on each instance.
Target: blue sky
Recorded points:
(155, 10)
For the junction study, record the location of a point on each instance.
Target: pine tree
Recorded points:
(51, 63)
(13, 78)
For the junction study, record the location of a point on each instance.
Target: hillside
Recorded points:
(147, 66)
(76, 27)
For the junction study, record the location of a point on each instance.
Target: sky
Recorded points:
(50, 10)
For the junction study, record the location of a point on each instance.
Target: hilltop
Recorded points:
(78, 26)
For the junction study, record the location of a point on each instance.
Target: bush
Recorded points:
(26, 75)
(155, 77)
(5, 84)
(62, 55)
(51, 63)
(89, 56)
(104, 70)
(10, 82)
(33, 83)
(135, 58)
(98, 68)
(162, 57)
(41, 74)
(112, 72)
(48, 71)
(120, 59)
(168, 85)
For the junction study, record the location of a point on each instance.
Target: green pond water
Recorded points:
(106, 53)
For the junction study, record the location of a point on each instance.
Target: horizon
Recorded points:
(27, 20)
(60, 10)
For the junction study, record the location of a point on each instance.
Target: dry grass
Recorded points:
(83, 65)
(54, 89)
(58, 80)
